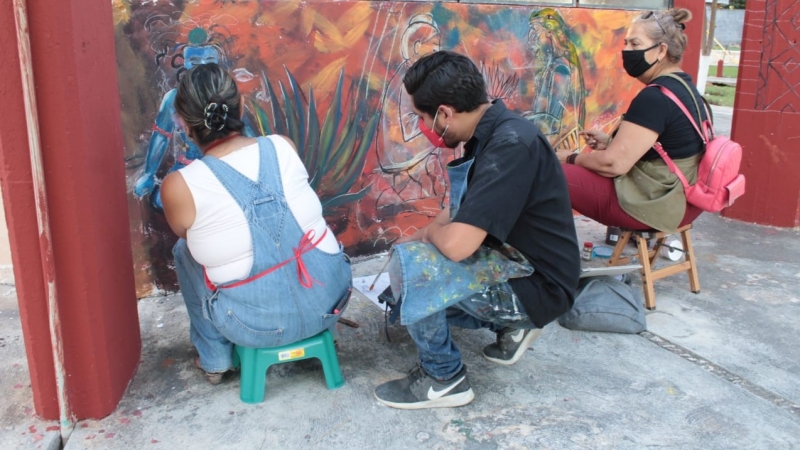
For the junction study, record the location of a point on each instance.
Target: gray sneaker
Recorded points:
(511, 345)
(419, 390)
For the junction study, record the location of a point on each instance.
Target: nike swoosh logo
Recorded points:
(518, 336)
(433, 395)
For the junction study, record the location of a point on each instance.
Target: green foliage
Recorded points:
(720, 95)
(727, 71)
(737, 4)
(333, 152)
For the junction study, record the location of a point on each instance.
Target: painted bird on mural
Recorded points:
(559, 101)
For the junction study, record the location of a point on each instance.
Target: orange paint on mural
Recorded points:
(377, 176)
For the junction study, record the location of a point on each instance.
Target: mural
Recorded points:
(329, 76)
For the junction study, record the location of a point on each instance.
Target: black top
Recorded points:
(655, 111)
(518, 194)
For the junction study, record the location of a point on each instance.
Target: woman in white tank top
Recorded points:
(256, 262)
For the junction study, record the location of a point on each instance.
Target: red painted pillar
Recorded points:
(18, 200)
(694, 31)
(74, 68)
(767, 114)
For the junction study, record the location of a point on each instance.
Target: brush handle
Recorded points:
(389, 257)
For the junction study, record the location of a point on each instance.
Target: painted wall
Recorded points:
(767, 114)
(329, 75)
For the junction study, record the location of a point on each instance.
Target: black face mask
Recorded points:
(634, 62)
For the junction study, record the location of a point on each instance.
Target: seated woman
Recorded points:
(624, 182)
(257, 264)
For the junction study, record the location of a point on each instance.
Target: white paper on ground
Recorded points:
(362, 284)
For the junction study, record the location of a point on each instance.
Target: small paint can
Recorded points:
(603, 252)
(669, 253)
(612, 235)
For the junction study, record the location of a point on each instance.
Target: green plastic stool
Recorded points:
(256, 361)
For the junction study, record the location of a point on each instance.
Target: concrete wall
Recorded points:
(730, 24)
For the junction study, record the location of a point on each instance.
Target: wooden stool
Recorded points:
(647, 259)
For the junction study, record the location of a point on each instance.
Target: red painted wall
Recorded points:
(17, 186)
(767, 114)
(694, 31)
(72, 42)
(74, 66)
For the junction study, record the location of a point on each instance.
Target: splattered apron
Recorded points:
(426, 281)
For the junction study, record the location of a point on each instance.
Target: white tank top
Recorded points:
(219, 238)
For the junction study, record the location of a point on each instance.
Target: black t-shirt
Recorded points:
(655, 111)
(518, 194)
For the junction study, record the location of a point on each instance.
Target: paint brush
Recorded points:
(388, 258)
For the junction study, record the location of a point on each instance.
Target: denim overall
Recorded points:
(272, 310)
(474, 293)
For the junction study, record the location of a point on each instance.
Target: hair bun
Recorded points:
(215, 115)
(680, 16)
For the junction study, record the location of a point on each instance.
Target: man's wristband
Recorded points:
(571, 158)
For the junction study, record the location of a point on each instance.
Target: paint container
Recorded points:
(587, 252)
(603, 252)
(612, 235)
(669, 253)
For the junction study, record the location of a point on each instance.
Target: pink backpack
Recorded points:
(719, 182)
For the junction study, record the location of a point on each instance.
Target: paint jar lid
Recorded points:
(603, 252)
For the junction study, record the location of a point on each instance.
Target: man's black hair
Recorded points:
(445, 78)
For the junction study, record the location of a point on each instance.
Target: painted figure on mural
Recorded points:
(166, 130)
(329, 74)
(559, 98)
(412, 167)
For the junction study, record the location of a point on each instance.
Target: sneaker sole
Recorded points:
(526, 343)
(450, 401)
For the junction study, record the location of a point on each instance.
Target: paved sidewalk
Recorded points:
(19, 427)
(723, 116)
(718, 369)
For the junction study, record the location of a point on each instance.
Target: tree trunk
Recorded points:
(712, 25)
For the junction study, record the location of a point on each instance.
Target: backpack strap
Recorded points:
(706, 106)
(665, 90)
(691, 94)
(660, 149)
(708, 111)
(671, 165)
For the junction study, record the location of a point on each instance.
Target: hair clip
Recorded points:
(210, 111)
(682, 25)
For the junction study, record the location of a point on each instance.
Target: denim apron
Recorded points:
(427, 282)
(274, 309)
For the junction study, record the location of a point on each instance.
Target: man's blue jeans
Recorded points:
(495, 308)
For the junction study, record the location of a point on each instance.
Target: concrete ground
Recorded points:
(723, 116)
(718, 369)
(19, 427)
